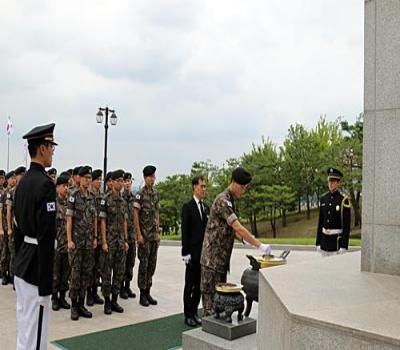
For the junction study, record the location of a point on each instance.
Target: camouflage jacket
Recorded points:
(10, 203)
(148, 203)
(83, 212)
(3, 207)
(219, 236)
(61, 223)
(129, 198)
(114, 209)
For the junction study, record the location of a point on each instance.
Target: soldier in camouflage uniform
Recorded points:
(82, 240)
(147, 225)
(108, 182)
(219, 238)
(114, 230)
(126, 291)
(76, 179)
(92, 296)
(61, 263)
(53, 174)
(5, 252)
(2, 182)
(19, 173)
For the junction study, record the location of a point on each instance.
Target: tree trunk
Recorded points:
(254, 230)
(284, 221)
(299, 204)
(356, 208)
(272, 220)
(308, 208)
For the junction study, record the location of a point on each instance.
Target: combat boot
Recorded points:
(150, 298)
(123, 293)
(89, 298)
(82, 310)
(143, 299)
(107, 306)
(62, 302)
(114, 304)
(96, 298)
(4, 281)
(74, 310)
(55, 303)
(129, 290)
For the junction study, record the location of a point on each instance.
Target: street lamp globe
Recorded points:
(99, 117)
(113, 119)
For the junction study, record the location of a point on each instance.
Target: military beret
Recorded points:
(20, 170)
(42, 133)
(108, 176)
(70, 172)
(85, 170)
(65, 173)
(334, 174)
(76, 170)
(241, 176)
(149, 170)
(52, 171)
(96, 174)
(10, 174)
(117, 174)
(2, 173)
(127, 176)
(62, 179)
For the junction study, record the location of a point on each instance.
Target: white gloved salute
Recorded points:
(186, 259)
(265, 248)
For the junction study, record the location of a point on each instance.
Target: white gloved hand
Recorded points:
(44, 301)
(342, 250)
(187, 259)
(318, 248)
(265, 249)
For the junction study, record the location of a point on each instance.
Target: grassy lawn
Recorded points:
(290, 240)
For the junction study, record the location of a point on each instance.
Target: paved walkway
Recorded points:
(168, 289)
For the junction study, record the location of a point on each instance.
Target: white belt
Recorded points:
(30, 240)
(330, 232)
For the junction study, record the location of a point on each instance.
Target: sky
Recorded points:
(189, 80)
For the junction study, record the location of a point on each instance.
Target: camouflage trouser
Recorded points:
(114, 264)
(209, 280)
(98, 266)
(11, 249)
(147, 255)
(61, 272)
(5, 256)
(81, 262)
(130, 262)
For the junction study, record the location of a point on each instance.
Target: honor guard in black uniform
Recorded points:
(35, 231)
(334, 218)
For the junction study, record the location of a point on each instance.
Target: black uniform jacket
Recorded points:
(193, 228)
(35, 216)
(334, 214)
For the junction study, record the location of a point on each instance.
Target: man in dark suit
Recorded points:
(194, 222)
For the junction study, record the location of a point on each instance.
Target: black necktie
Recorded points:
(203, 214)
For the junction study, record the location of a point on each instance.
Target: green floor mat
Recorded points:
(161, 334)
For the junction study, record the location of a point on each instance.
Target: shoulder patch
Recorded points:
(51, 206)
(71, 199)
(228, 203)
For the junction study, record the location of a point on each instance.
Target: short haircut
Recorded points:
(33, 148)
(197, 179)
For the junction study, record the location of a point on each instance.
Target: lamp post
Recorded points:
(113, 121)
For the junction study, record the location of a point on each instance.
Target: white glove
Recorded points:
(342, 251)
(44, 301)
(318, 248)
(187, 259)
(265, 249)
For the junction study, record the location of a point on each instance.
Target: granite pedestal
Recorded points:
(229, 331)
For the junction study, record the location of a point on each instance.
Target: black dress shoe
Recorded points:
(190, 322)
(197, 319)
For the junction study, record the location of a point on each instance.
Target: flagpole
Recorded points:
(8, 153)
